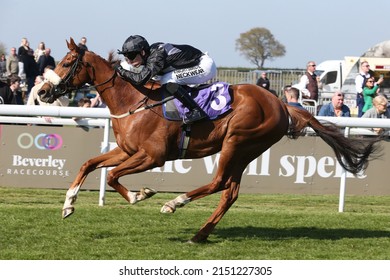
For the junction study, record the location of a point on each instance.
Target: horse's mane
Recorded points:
(113, 58)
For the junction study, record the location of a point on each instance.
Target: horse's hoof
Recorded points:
(199, 238)
(167, 209)
(143, 194)
(67, 212)
(148, 192)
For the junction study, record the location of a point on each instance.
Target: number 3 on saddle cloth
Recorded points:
(214, 100)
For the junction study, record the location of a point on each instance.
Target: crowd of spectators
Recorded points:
(370, 101)
(22, 74)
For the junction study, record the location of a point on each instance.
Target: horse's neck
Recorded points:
(119, 95)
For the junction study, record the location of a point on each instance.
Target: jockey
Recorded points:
(174, 65)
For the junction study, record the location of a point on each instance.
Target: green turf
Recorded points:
(274, 227)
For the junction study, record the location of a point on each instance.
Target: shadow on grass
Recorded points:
(288, 233)
(298, 232)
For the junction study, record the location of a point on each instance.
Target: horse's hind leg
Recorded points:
(221, 181)
(112, 158)
(228, 197)
(226, 180)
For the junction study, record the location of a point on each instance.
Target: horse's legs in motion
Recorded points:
(137, 163)
(112, 158)
(226, 179)
(228, 197)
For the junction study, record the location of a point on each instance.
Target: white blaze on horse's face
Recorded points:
(52, 77)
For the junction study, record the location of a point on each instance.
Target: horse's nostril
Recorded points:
(41, 92)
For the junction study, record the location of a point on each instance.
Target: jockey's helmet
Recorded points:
(134, 44)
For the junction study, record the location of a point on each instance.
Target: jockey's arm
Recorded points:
(154, 64)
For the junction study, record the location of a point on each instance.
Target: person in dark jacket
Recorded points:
(46, 60)
(9, 92)
(174, 65)
(83, 44)
(263, 81)
(30, 66)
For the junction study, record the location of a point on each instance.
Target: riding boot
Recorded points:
(195, 113)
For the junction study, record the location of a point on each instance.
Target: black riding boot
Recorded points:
(195, 113)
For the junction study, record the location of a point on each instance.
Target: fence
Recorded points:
(17, 113)
(278, 79)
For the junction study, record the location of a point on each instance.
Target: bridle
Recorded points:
(65, 86)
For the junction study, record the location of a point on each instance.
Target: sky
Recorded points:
(309, 30)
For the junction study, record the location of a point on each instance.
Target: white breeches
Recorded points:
(192, 76)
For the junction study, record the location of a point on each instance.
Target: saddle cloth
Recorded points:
(214, 100)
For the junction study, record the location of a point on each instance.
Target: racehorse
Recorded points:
(146, 140)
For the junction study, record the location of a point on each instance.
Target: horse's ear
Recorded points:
(72, 45)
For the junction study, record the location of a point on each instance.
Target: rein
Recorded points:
(98, 85)
(150, 106)
(73, 71)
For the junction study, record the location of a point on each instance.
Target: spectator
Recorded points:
(33, 98)
(97, 102)
(292, 97)
(3, 66)
(22, 54)
(39, 51)
(83, 44)
(10, 93)
(12, 64)
(283, 97)
(360, 81)
(263, 81)
(84, 102)
(379, 110)
(336, 108)
(309, 83)
(46, 60)
(30, 67)
(370, 90)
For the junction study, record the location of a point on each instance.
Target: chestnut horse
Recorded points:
(147, 140)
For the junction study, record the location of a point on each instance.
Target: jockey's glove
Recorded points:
(119, 69)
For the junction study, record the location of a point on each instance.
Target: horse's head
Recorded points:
(70, 74)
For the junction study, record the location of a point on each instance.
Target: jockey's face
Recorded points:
(137, 61)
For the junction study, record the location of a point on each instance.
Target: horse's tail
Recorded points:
(352, 154)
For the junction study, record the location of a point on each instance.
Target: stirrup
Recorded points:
(193, 116)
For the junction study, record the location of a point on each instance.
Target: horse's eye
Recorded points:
(66, 64)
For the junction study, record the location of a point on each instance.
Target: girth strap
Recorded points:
(184, 140)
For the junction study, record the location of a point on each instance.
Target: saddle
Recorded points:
(214, 99)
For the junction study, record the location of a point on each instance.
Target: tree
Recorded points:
(259, 45)
(2, 49)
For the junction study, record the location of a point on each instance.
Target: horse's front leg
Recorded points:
(139, 162)
(112, 158)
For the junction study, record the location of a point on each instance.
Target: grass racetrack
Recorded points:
(257, 227)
